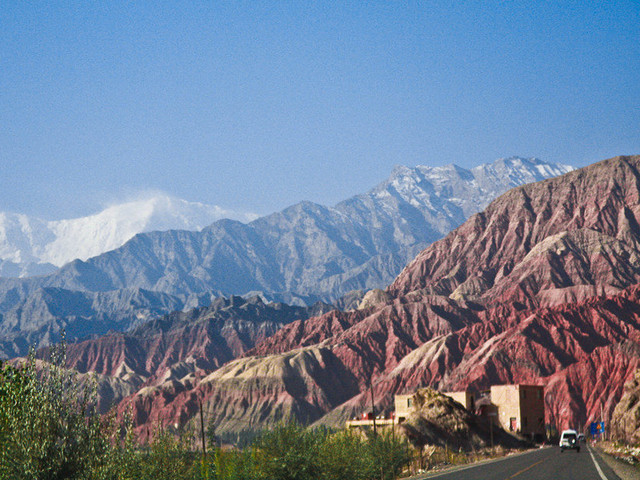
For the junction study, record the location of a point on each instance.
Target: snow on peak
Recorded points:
(518, 171)
(24, 239)
(450, 188)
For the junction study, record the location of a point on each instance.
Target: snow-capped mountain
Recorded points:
(427, 202)
(306, 252)
(452, 187)
(30, 246)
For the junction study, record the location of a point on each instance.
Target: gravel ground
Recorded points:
(622, 469)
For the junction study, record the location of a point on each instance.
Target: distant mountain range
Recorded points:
(31, 246)
(304, 254)
(179, 344)
(542, 287)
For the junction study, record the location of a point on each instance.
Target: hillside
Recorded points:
(487, 304)
(625, 421)
(301, 255)
(173, 346)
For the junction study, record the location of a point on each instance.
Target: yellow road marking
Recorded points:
(524, 470)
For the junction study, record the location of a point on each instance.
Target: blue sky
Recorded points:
(254, 106)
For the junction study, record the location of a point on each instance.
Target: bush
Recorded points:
(387, 456)
(50, 430)
(167, 457)
(289, 452)
(48, 425)
(235, 465)
(344, 456)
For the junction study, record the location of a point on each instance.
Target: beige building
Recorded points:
(520, 408)
(464, 398)
(403, 406)
(404, 403)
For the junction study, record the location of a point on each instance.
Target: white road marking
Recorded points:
(429, 476)
(602, 475)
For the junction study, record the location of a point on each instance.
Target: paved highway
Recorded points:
(544, 464)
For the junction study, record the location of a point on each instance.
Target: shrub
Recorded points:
(50, 430)
(387, 456)
(289, 452)
(167, 457)
(48, 424)
(344, 456)
(235, 465)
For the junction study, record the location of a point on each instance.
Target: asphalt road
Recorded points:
(544, 464)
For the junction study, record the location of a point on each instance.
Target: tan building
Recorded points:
(520, 408)
(404, 403)
(464, 398)
(403, 406)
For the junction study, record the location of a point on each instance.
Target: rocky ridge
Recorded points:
(625, 422)
(172, 347)
(301, 255)
(538, 288)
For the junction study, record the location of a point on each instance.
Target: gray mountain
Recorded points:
(305, 253)
(32, 246)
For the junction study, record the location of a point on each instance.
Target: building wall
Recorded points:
(464, 398)
(507, 399)
(520, 407)
(404, 406)
(532, 409)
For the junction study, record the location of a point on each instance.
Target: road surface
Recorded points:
(543, 464)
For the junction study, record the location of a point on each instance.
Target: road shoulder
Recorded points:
(620, 468)
(457, 468)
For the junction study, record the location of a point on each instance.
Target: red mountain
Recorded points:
(551, 242)
(538, 288)
(173, 346)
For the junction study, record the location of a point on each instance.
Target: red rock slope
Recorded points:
(559, 240)
(176, 345)
(530, 290)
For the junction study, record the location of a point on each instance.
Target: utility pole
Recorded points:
(373, 408)
(491, 430)
(204, 444)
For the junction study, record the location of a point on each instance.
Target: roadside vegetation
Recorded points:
(50, 430)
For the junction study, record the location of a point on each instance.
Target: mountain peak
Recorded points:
(456, 192)
(437, 199)
(26, 240)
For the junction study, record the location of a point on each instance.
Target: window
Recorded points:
(409, 402)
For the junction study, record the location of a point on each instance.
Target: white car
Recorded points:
(569, 439)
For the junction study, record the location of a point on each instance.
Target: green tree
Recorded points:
(49, 427)
(344, 456)
(289, 452)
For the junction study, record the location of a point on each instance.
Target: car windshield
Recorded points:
(570, 436)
